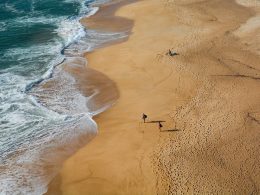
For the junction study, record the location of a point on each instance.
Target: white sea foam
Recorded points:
(92, 40)
(37, 121)
(11, 8)
(2, 26)
(25, 169)
(36, 137)
(70, 30)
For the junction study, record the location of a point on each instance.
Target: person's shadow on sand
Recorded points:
(169, 130)
(159, 122)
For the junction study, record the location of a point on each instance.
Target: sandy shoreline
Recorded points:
(210, 92)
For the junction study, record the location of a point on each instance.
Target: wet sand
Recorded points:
(208, 94)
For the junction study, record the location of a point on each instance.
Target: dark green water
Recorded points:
(33, 34)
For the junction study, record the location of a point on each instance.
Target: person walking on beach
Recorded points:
(160, 126)
(144, 117)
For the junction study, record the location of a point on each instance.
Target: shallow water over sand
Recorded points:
(44, 115)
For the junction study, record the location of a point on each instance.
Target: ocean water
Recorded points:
(36, 136)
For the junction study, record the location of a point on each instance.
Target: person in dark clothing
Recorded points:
(144, 117)
(160, 126)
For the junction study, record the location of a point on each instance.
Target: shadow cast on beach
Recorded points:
(155, 122)
(170, 130)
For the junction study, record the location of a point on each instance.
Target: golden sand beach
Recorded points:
(209, 96)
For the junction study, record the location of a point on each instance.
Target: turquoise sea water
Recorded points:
(35, 36)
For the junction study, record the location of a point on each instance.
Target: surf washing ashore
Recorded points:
(44, 116)
(209, 93)
(56, 75)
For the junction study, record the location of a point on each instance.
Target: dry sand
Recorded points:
(210, 92)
